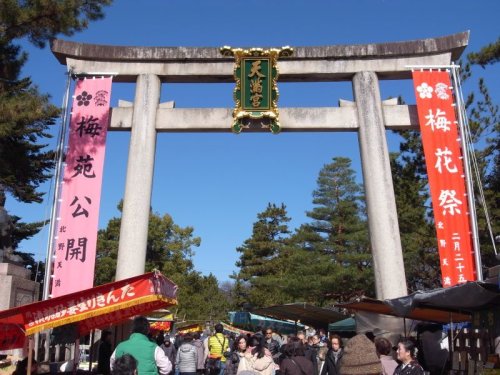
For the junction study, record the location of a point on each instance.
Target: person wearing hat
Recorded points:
(360, 357)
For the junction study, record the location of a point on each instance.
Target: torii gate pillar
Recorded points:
(388, 266)
(139, 182)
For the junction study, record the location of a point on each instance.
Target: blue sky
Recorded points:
(217, 183)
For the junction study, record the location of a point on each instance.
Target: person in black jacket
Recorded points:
(271, 344)
(295, 363)
(105, 351)
(333, 356)
(170, 351)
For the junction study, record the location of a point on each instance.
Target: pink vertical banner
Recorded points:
(441, 143)
(76, 237)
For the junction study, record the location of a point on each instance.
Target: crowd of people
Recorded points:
(262, 353)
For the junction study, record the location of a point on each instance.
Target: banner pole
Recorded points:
(468, 175)
(59, 167)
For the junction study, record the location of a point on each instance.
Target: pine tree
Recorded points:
(338, 208)
(488, 55)
(339, 220)
(238, 293)
(309, 275)
(261, 259)
(484, 121)
(200, 298)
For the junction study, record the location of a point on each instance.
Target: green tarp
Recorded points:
(346, 325)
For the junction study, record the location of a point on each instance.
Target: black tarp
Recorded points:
(454, 304)
(465, 298)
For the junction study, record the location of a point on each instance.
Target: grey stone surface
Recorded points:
(390, 280)
(307, 64)
(14, 270)
(139, 181)
(16, 287)
(455, 43)
(290, 71)
(292, 119)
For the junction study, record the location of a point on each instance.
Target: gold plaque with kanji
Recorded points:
(256, 92)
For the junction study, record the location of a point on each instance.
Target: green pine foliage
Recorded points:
(325, 261)
(42, 20)
(339, 219)
(261, 260)
(488, 55)
(484, 120)
(25, 113)
(25, 116)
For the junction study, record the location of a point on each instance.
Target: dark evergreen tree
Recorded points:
(338, 208)
(200, 298)
(484, 119)
(488, 55)
(310, 274)
(238, 293)
(261, 259)
(339, 220)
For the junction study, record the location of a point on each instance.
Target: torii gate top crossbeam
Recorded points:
(308, 64)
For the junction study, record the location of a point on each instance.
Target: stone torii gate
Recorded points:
(364, 65)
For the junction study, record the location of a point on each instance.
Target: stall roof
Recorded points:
(346, 325)
(427, 314)
(303, 312)
(467, 298)
(91, 308)
(456, 303)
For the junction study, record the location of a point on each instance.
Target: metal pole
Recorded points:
(468, 176)
(91, 349)
(30, 356)
(55, 198)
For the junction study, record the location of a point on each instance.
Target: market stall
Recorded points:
(474, 302)
(88, 309)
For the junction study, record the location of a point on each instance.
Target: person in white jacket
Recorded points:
(187, 357)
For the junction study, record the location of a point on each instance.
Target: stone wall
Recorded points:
(17, 288)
